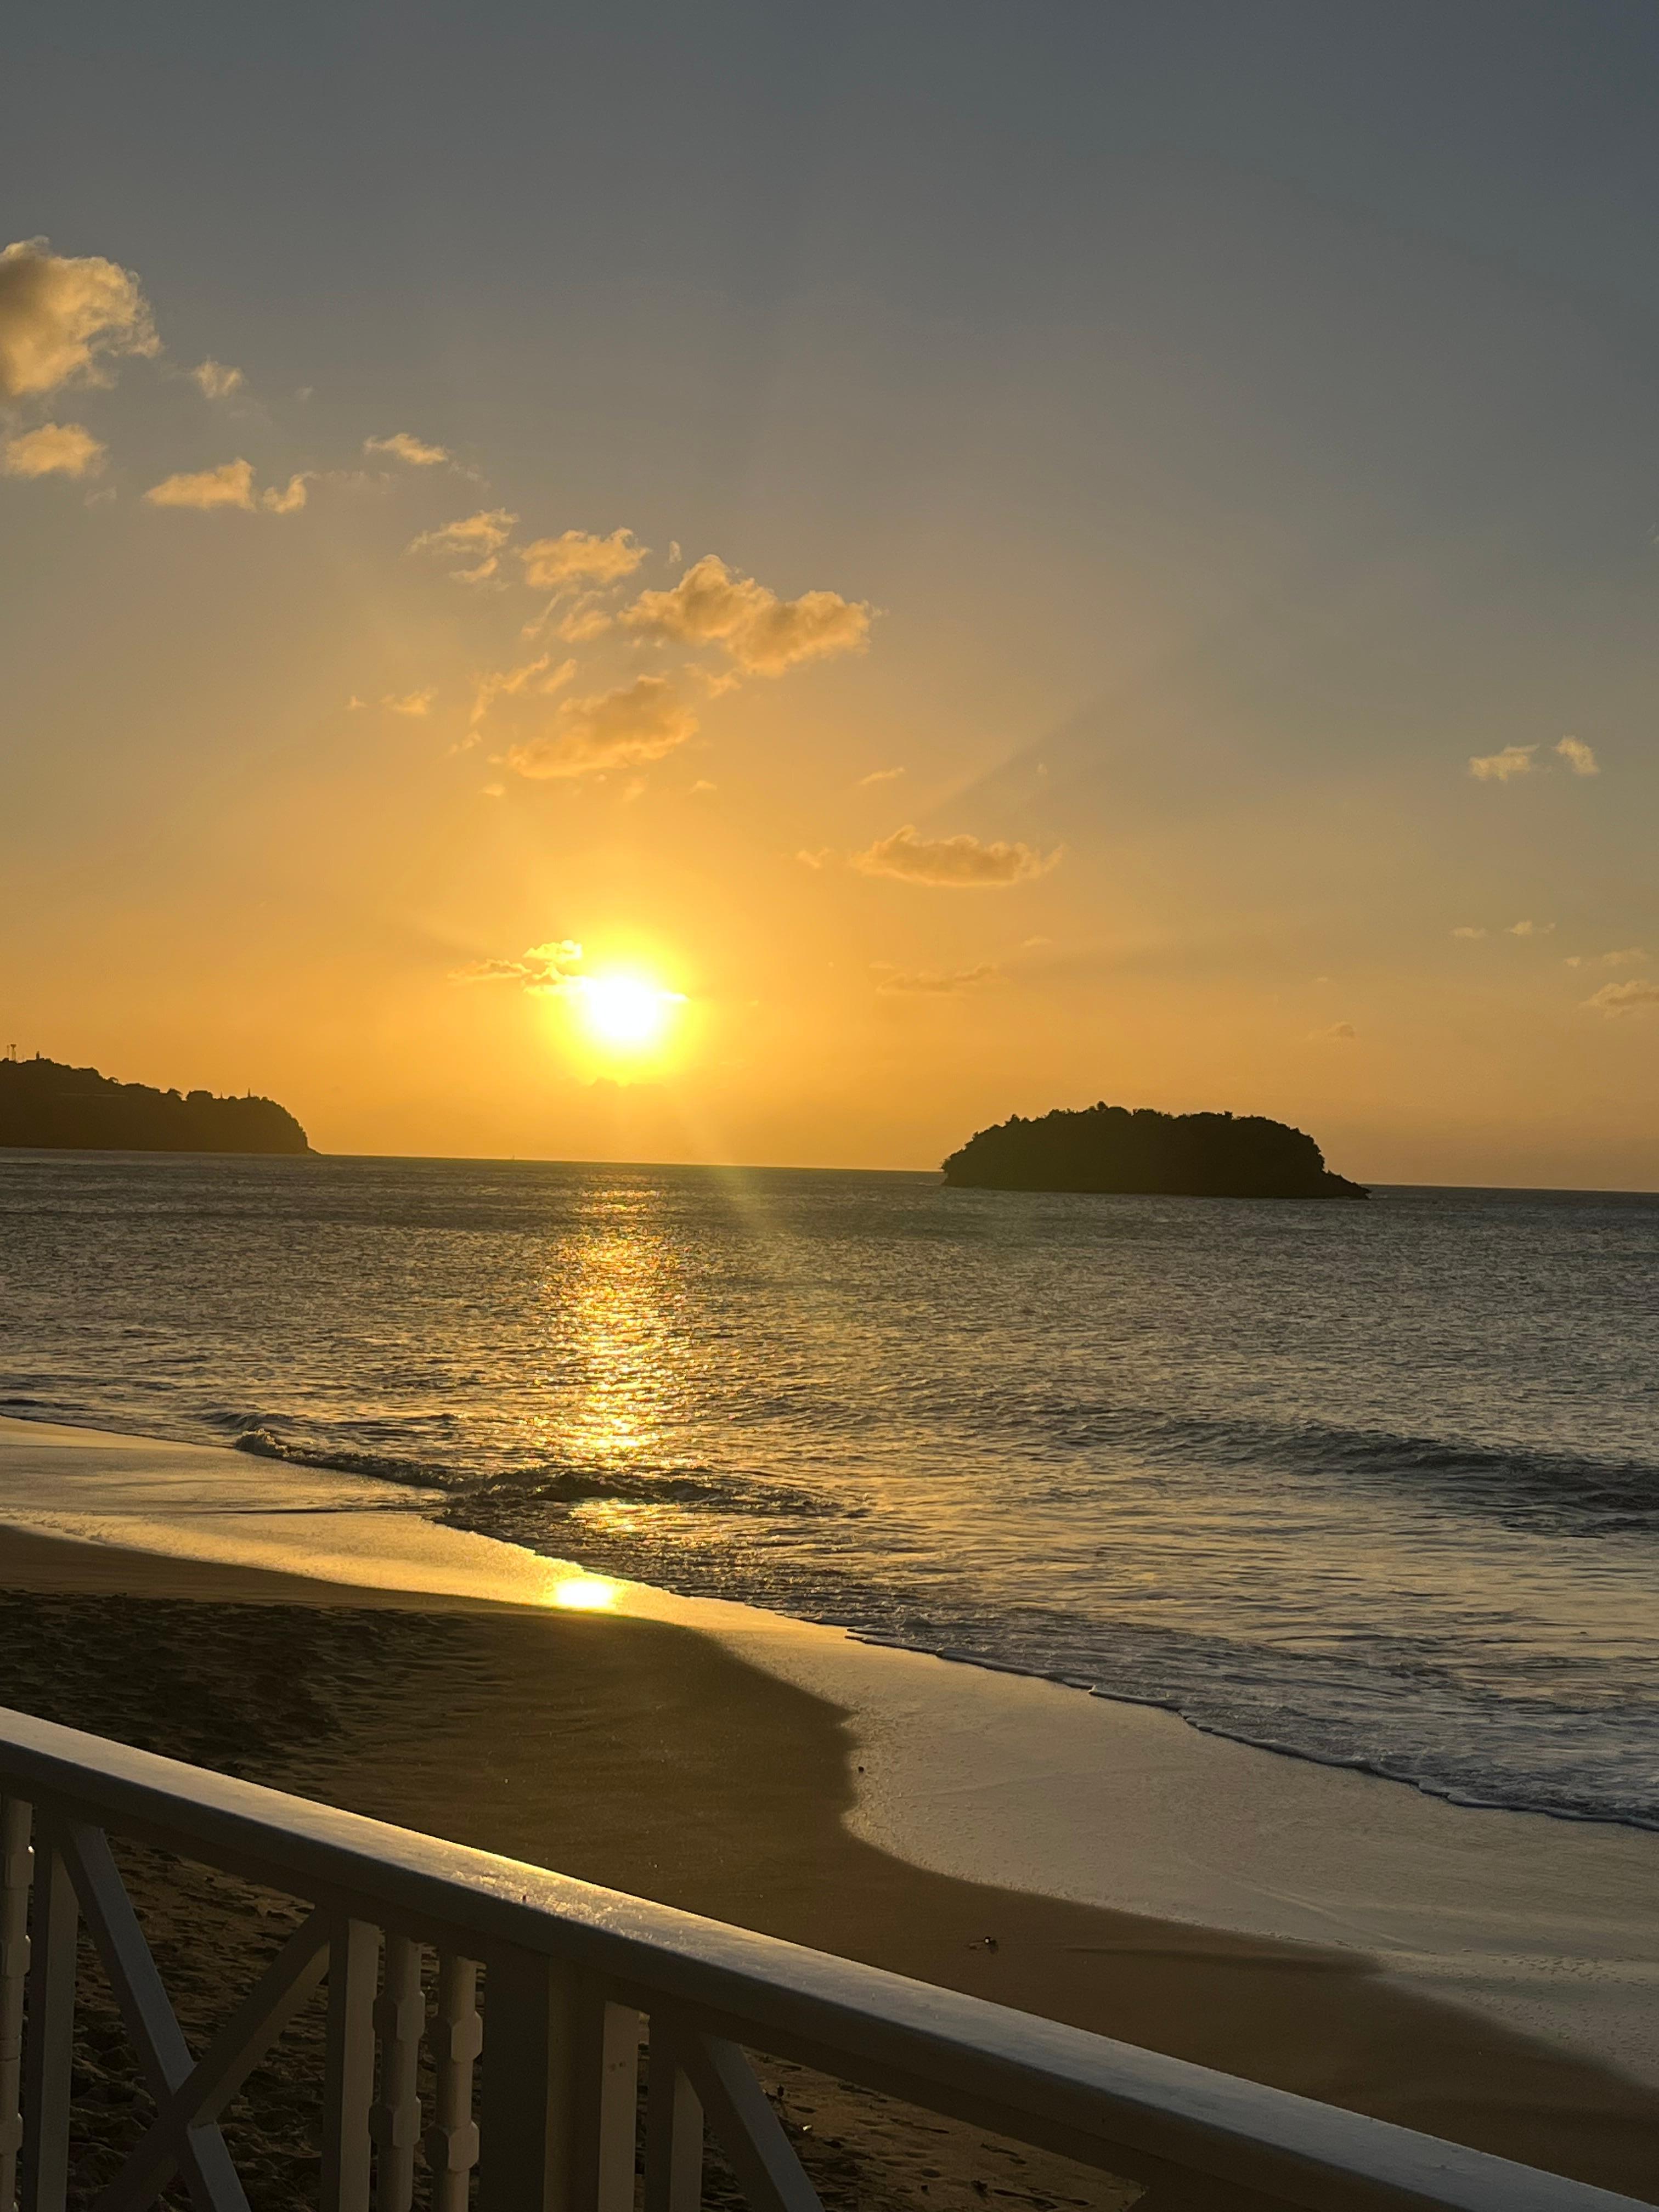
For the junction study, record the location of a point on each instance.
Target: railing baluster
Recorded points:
(14, 1865)
(349, 2066)
(456, 2037)
(527, 2136)
(400, 2017)
(607, 2100)
(673, 2129)
(49, 2046)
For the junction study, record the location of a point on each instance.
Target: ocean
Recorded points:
(1373, 1484)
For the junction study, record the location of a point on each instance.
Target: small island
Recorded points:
(1114, 1148)
(46, 1106)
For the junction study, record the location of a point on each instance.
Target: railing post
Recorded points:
(49, 2048)
(353, 1954)
(527, 2137)
(14, 1864)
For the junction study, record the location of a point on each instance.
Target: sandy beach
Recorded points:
(643, 1755)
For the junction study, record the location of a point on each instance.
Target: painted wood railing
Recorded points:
(545, 1990)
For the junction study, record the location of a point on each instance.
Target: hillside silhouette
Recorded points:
(1111, 1148)
(45, 1104)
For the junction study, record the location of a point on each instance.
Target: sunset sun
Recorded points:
(626, 1013)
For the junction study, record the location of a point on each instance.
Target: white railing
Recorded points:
(544, 1990)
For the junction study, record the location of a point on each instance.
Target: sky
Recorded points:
(778, 584)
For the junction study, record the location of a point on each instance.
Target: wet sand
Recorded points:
(644, 1756)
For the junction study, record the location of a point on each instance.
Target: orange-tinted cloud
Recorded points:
(954, 863)
(763, 634)
(639, 722)
(404, 446)
(229, 485)
(558, 564)
(217, 381)
(1503, 767)
(1625, 998)
(64, 318)
(64, 449)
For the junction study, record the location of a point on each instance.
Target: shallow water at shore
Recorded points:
(1376, 1485)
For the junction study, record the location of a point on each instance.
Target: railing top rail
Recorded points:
(1090, 2087)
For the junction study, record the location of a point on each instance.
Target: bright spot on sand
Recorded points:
(587, 1594)
(626, 1012)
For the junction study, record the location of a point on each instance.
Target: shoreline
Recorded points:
(1140, 1877)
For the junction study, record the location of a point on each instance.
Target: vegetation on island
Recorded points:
(1112, 1148)
(47, 1105)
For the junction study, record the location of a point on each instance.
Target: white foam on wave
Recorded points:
(994, 1776)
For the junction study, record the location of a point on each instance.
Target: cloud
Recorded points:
(820, 858)
(1499, 767)
(1631, 955)
(1338, 1033)
(60, 449)
(217, 381)
(231, 485)
(411, 702)
(1579, 757)
(763, 634)
(880, 776)
(556, 564)
(64, 318)
(953, 863)
(404, 446)
(639, 722)
(1467, 930)
(544, 969)
(586, 620)
(926, 981)
(534, 679)
(474, 534)
(1625, 998)
(1530, 929)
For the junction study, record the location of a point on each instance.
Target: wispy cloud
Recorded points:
(1503, 767)
(404, 446)
(558, 564)
(637, 722)
(411, 702)
(762, 634)
(64, 319)
(1579, 756)
(62, 449)
(1625, 998)
(216, 381)
(288, 501)
(954, 863)
(504, 693)
(1631, 955)
(880, 776)
(1468, 929)
(1530, 929)
(544, 969)
(1338, 1033)
(931, 982)
(477, 538)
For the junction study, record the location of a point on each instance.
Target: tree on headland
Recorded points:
(1113, 1148)
(45, 1104)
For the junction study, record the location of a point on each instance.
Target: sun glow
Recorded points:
(625, 1013)
(587, 1594)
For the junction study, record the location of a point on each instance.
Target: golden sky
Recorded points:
(782, 606)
